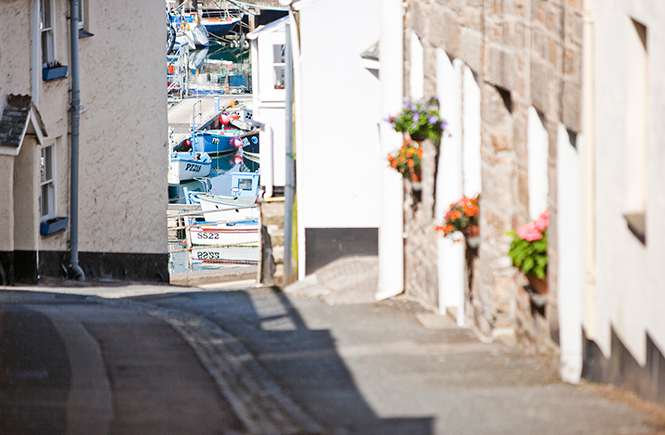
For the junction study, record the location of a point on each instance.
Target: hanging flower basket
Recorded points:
(528, 252)
(420, 119)
(407, 161)
(463, 217)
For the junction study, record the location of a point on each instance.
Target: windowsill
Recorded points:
(85, 34)
(637, 225)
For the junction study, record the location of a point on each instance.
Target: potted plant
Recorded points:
(528, 251)
(420, 119)
(53, 70)
(463, 217)
(407, 160)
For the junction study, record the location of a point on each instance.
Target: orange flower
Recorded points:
(455, 214)
(393, 164)
(409, 153)
(410, 163)
(420, 152)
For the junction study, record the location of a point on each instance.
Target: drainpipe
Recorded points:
(267, 177)
(289, 189)
(590, 144)
(36, 64)
(74, 270)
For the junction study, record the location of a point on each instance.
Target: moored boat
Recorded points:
(221, 208)
(215, 141)
(187, 166)
(219, 26)
(238, 234)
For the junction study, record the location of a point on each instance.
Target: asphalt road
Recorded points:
(168, 360)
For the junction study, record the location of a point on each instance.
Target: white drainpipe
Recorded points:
(266, 153)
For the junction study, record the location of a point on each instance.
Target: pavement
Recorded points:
(314, 358)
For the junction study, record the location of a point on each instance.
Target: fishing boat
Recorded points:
(187, 166)
(219, 26)
(250, 146)
(215, 142)
(225, 209)
(228, 235)
(226, 255)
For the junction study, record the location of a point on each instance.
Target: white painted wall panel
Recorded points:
(537, 157)
(471, 145)
(340, 156)
(571, 208)
(449, 181)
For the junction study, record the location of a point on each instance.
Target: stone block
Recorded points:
(572, 106)
(539, 86)
(499, 68)
(445, 31)
(554, 53)
(471, 48)
(419, 20)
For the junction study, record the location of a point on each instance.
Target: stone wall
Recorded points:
(420, 253)
(525, 53)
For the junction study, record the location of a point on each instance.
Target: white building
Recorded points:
(613, 302)
(123, 143)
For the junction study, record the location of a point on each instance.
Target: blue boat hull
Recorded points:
(214, 142)
(219, 28)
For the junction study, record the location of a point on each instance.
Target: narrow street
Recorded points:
(170, 360)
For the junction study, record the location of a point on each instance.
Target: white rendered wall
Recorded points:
(416, 73)
(449, 182)
(471, 145)
(339, 157)
(391, 243)
(268, 104)
(570, 204)
(629, 286)
(537, 157)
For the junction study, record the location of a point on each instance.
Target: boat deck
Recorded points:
(180, 115)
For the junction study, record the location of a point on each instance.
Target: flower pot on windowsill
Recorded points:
(540, 286)
(54, 73)
(53, 225)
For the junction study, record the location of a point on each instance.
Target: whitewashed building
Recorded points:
(612, 236)
(123, 144)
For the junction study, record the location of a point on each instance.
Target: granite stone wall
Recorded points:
(525, 53)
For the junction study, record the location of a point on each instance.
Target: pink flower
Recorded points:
(543, 221)
(529, 232)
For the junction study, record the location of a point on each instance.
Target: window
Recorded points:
(278, 66)
(81, 15)
(47, 180)
(46, 27)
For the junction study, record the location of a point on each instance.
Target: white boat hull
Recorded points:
(234, 255)
(226, 235)
(218, 208)
(186, 166)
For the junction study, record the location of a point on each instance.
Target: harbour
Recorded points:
(209, 118)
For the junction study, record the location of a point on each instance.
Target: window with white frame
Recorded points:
(278, 66)
(47, 181)
(81, 14)
(46, 26)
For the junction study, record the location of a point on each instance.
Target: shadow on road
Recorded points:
(304, 362)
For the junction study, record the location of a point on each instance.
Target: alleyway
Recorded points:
(140, 360)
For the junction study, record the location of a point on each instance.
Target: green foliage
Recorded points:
(420, 119)
(530, 257)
